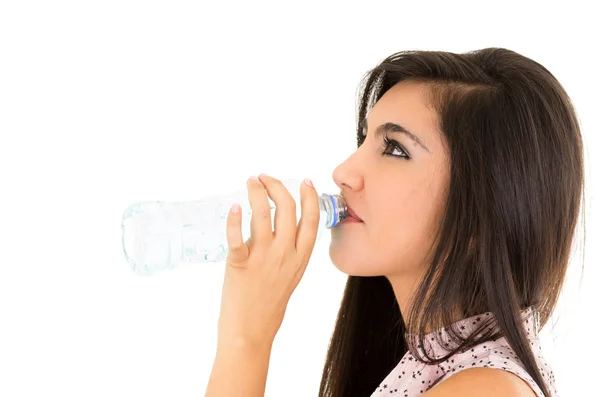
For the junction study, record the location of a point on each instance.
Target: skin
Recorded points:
(400, 200)
(397, 197)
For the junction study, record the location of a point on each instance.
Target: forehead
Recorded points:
(407, 104)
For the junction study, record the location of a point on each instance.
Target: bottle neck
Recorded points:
(335, 207)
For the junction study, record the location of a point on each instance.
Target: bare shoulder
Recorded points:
(482, 382)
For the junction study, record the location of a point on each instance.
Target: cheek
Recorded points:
(396, 239)
(402, 242)
(395, 254)
(386, 246)
(399, 243)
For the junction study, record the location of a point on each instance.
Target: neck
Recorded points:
(404, 287)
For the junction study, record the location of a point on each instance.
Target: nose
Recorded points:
(347, 176)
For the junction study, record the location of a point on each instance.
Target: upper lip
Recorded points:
(352, 213)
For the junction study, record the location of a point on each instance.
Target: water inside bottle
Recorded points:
(149, 232)
(161, 235)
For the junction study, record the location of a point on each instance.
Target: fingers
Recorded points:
(260, 224)
(309, 222)
(285, 210)
(238, 250)
(301, 238)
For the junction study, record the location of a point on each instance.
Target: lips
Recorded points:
(352, 214)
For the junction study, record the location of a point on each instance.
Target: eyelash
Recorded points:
(387, 142)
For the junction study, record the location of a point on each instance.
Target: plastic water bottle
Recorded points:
(160, 235)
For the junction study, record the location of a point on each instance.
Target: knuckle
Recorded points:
(283, 252)
(291, 251)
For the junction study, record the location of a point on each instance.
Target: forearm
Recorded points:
(239, 370)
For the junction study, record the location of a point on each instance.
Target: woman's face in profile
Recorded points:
(398, 192)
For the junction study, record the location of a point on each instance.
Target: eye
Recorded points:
(390, 143)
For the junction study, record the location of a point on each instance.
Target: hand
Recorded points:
(262, 273)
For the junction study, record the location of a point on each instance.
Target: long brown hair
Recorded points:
(515, 193)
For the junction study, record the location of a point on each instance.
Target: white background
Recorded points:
(104, 103)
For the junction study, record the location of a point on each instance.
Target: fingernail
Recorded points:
(254, 178)
(308, 182)
(235, 208)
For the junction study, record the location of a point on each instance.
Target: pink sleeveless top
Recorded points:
(413, 378)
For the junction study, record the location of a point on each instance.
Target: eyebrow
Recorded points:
(394, 128)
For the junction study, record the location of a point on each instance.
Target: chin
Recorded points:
(360, 262)
(358, 272)
(353, 265)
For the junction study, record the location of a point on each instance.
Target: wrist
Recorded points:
(247, 360)
(226, 343)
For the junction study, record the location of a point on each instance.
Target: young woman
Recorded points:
(465, 192)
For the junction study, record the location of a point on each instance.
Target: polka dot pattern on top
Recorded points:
(413, 378)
